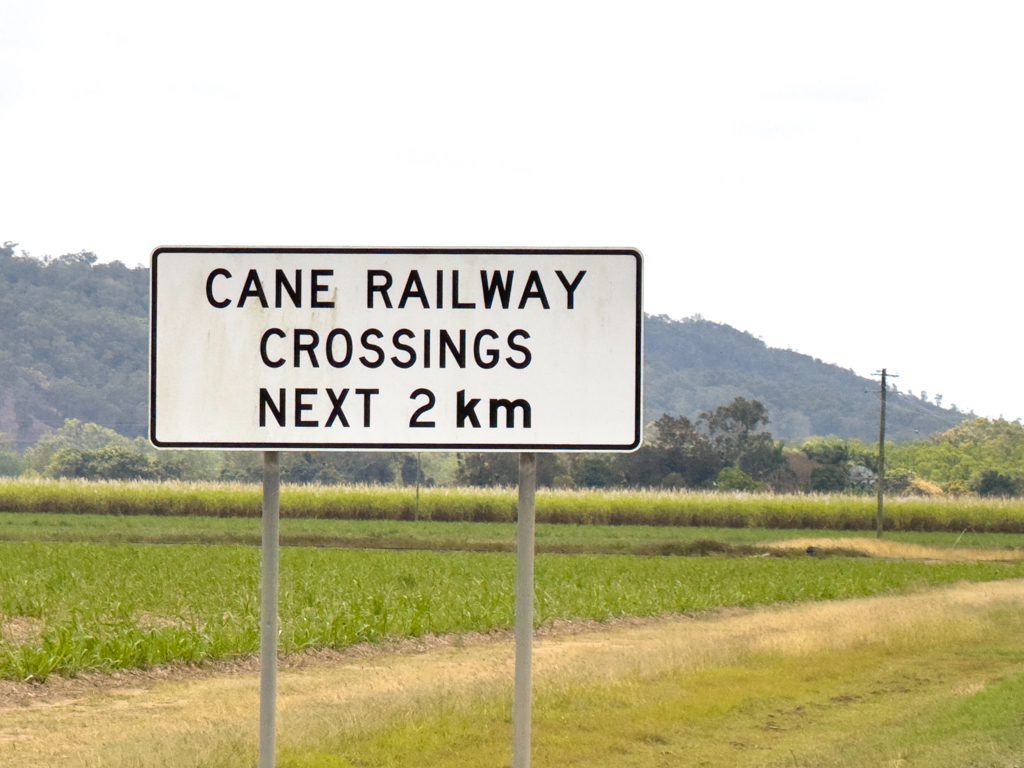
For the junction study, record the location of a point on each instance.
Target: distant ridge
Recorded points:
(74, 344)
(694, 365)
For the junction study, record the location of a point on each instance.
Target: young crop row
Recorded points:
(66, 607)
(660, 508)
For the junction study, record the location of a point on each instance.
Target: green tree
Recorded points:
(111, 462)
(989, 482)
(829, 478)
(72, 434)
(735, 479)
(675, 454)
(675, 433)
(495, 469)
(74, 342)
(833, 460)
(192, 466)
(11, 464)
(242, 467)
(962, 453)
(595, 470)
(732, 427)
(829, 450)
(732, 430)
(764, 459)
(647, 467)
(66, 462)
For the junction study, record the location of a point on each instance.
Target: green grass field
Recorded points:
(88, 583)
(105, 606)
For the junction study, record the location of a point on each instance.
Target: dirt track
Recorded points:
(188, 713)
(900, 550)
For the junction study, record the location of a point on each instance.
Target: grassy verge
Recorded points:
(67, 607)
(427, 534)
(940, 706)
(931, 679)
(653, 508)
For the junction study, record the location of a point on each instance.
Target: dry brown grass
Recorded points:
(898, 549)
(136, 719)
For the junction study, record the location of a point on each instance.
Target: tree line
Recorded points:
(726, 446)
(723, 448)
(726, 449)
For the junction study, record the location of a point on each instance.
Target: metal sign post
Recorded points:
(521, 697)
(268, 608)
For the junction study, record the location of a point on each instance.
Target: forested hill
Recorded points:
(694, 365)
(73, 343)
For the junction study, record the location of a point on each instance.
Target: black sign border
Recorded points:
(438, 447)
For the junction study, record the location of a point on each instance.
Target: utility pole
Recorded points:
(879, 516)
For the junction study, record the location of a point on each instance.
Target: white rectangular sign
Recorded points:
(396, 348)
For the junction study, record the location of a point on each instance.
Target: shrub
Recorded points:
(735, 479)
(828, 478)
(673, 480)
(111, 462)
(957, 488)
(66, 462)
(899, 481)
(502, 469)
(921, 487)
(990, 482)
(11, 464)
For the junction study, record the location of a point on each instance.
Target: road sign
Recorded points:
(396, 348)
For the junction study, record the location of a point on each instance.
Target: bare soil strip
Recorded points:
(866, 546)
(669, 547)
(696, 547)
(898, 549)
(185, 716)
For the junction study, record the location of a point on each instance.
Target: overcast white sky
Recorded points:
(843, 179)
